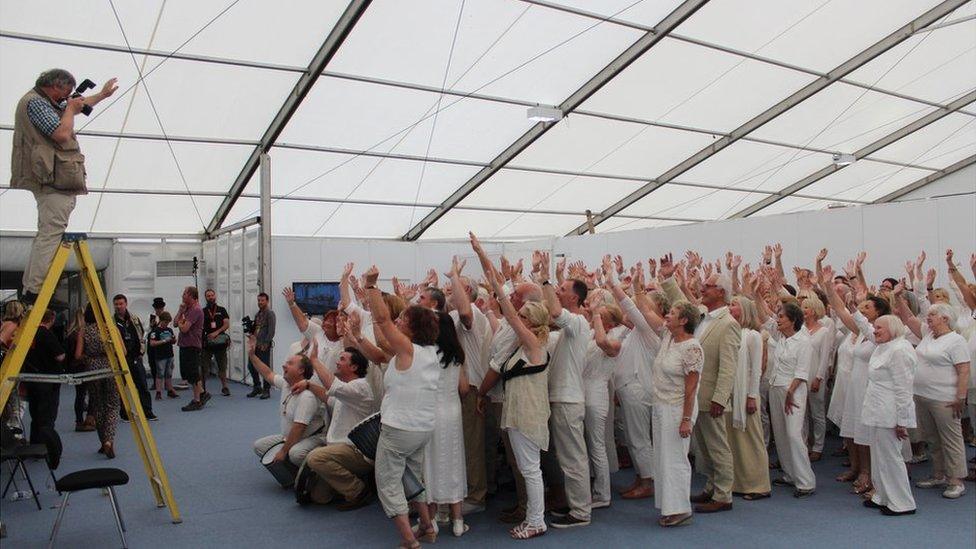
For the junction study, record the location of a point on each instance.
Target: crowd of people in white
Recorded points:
(668, 358)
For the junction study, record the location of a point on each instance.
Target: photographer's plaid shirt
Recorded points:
(43, 116)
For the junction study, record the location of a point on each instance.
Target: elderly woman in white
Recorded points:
(941, 384)
(890, 411)
(791, 364)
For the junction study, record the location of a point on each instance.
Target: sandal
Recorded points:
(524, 531)
(755, 496)
(675, 520)
(862, 489)
(430, 536)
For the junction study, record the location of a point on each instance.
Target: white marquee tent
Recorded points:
(408, 118)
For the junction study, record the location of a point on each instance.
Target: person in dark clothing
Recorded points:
(46, 356)
(158, 306)
(132, 332)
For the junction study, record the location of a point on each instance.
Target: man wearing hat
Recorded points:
(158, 306)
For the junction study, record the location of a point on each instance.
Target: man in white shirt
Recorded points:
(302, 422)
(338, 468)
(567, 401)
(324, 335)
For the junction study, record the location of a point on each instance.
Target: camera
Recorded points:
(85, 85)
(248, 324)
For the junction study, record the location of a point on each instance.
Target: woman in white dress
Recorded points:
(444, 467)
(525, 411)
(890, 411)
(862, 335)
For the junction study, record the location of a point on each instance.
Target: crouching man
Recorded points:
(303, 421)
(338, 469)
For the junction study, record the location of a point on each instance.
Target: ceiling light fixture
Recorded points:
(544, 114)
(842, 159)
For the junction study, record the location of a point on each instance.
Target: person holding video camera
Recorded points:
(47, 161)
(264, 331)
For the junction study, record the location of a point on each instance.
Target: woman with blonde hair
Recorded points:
(749, 456)
(821, 332)
(525, 379)
(601, 362)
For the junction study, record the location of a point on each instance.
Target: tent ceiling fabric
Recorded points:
(409, 129)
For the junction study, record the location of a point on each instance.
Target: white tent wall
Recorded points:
(132, 271)
(890, 233)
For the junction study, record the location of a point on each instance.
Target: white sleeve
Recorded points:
(804, 359)
(569, 323)
(754, 345)
(313, 331)
(306, 408)
(825, 354)
(864, 326)
(279, 382)
(352, 391)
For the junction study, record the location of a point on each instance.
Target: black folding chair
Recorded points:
(16, 453)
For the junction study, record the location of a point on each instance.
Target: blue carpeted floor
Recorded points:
(227, 499)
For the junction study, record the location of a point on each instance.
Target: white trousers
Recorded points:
(566, 435)
(297, 453)
(672, 488)
(816, 418)
(636, 412)
(889, 475)
(595, 423)
(788, 435)
(527, 459)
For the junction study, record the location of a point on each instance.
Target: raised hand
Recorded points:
(949, 259)
(728, 260)
(606, 266)
(371, 276)
(822, 255)
(619, 263)
(767, 254)
(457, 266)
(778, 250)
(506, 266)
(859, 260)
(707, 270)
(972, 263)
(693, 259)
(289, 295)
(652, 267)
(929, 278)
(736, 261)
(667, 266)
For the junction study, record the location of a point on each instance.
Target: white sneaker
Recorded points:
(471, 508)
(954, 491)
(459, 528)
(931, 483)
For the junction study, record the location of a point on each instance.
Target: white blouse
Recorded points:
(888, 399)
(674, 361)
(747, 375)
(937, 358)
(792, 359)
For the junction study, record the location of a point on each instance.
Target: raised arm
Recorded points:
(967, 294)
(826, 280)
(529, 341)
(370, 350)
(399, 343)
(345, 293)
(901, 309)
(610, 347)
(540, 265)
(301, 321)
(459, 297)
(266, 372)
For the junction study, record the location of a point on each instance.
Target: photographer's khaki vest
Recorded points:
(39, 161)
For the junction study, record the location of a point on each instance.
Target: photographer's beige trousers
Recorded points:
(53, 211)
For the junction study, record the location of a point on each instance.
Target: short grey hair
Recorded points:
(723, 281)
(55, 77)
(946, 312)
(894, 324)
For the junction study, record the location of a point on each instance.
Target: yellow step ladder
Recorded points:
(112, 341)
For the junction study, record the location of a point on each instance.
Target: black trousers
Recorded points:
(256, 377)
(42, 402)
(139, 377)
(82, 401)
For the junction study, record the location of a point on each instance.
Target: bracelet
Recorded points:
(929, 288)
(686, 418)
(370, 287)
(546, 283)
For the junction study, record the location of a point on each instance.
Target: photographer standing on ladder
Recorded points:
(47, 161)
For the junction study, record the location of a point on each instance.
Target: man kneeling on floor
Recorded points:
(302, 421)
(338, 468)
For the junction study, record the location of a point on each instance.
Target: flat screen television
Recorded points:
(315, 298)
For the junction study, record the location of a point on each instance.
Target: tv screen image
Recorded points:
(315, 298)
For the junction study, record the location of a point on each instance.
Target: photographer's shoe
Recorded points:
(265, 394)
(254, 392)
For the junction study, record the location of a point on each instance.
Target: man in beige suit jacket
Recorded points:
(719, 335)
